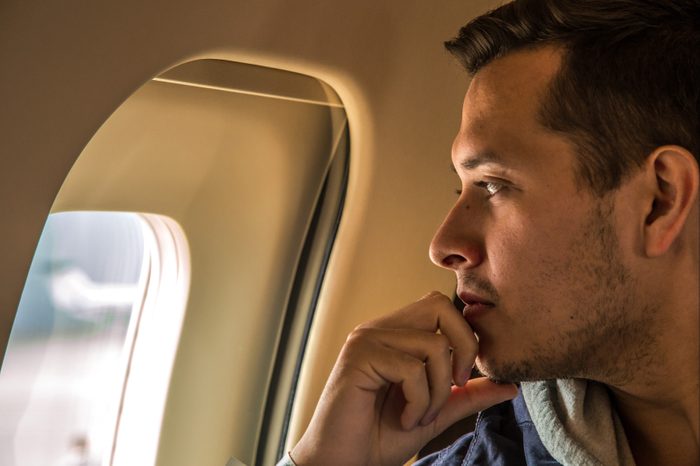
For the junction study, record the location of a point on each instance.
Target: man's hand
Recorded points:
(390, 390)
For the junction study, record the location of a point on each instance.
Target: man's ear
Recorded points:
(675, 177)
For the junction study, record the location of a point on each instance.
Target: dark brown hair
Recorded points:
(629, 80)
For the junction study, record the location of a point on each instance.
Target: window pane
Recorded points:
(237, 157)
(63, 373)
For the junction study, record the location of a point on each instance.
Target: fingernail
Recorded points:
(465, 376)
(427, 420)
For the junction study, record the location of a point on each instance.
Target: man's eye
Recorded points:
(491, 187)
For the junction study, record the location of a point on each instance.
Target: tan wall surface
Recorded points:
(66, 66)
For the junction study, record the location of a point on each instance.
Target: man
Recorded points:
(574, 241)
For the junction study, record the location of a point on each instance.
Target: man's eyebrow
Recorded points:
(480, 159)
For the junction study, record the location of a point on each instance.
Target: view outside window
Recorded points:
(63, 375)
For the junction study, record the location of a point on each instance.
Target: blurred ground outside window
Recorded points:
(64, 370)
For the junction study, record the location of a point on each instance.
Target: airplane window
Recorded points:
(63, 377)
(252, 163)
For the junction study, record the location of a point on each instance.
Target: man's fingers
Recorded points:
(421, 348)
(477, 395)
(432, 349)
(435, 312)
(409, 374)
(465, 346)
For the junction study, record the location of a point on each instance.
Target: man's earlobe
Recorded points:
(676, 176)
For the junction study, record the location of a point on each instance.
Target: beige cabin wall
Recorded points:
(66, 66)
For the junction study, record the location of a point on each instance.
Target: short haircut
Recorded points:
(629, 81)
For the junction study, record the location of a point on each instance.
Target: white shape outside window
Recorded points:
(95, 284)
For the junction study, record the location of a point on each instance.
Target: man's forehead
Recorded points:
(516, 81)
(500, 111)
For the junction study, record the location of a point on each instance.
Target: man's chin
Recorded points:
(493, 362)
(504, 372)
(501, 371)
(485, 368)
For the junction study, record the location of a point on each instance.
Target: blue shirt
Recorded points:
(504, 436)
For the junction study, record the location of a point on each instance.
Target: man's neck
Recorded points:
(660, 409)
(660, 432)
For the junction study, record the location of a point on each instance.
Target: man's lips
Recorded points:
(474, 304)
(471, 299)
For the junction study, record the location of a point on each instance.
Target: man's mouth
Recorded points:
(474, 304)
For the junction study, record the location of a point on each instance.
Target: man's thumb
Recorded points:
(477, 395)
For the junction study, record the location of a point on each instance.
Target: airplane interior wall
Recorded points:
(67, 66)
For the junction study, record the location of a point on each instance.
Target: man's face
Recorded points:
(537, 257)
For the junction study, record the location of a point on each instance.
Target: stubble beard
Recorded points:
(606, 338)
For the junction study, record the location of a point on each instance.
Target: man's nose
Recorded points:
(457, 243)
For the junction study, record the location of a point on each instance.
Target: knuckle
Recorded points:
(358, 333)
(438, 299)
(357, 338)
(441, 344)
(362, 326)
(437, 296)
(431, 294)
(415, 369)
